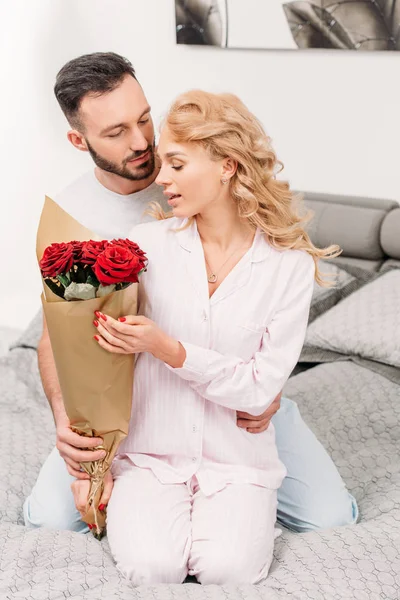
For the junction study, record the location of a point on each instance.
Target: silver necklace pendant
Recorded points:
(212, 278)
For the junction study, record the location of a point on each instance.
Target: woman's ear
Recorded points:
(229, 167)
(77, 140)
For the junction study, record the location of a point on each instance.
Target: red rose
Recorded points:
(117, 264)
(78, 250)
(57, 259)
(91, 251)
(134, 248)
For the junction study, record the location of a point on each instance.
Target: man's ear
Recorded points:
(77, 140)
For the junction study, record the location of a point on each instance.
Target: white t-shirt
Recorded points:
(104, 212)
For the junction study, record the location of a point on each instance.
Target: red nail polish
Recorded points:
(103, 317)
(96, 312)
(90, 526)
(96, 337)
(122, 319)
(96, 323)
(102, 507)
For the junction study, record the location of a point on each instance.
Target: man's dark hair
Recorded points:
(95, 73)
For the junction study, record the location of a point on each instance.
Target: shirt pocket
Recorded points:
(250, 335)
(253, 326)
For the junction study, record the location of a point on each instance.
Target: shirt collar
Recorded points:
(188, 235)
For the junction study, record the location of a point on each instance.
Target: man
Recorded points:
(110, 118)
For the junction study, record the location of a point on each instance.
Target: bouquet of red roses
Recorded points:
(91, 269)
(80, 277)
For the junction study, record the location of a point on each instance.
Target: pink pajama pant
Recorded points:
(160, 533)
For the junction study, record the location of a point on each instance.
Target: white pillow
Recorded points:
(365, 324)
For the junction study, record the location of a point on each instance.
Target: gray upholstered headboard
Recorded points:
(367, 229)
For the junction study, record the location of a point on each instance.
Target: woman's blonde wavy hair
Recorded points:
(223, 125)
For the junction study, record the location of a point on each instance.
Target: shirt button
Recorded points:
(205, 317)
(194, 429)
(194, 459)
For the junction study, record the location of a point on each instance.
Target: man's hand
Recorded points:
(80, 491)
(70, 446)
(260, 423)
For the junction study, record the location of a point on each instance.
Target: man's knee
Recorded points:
(325, 514)
(50, 503)
(36, 516)
(343, 511)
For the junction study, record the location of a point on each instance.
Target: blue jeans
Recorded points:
(312, 495)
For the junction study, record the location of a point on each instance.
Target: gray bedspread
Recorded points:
(355, 412)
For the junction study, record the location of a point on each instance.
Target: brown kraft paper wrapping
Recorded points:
(96, 385)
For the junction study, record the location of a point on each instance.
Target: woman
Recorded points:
(224, 307)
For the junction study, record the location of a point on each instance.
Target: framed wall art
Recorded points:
(281, 24)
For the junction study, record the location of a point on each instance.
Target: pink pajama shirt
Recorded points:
(185, 464)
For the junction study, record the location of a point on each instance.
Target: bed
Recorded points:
(347, 385)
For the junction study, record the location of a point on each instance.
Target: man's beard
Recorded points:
(142, 171)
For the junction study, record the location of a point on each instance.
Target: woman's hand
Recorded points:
(80, 490)
(134, 334)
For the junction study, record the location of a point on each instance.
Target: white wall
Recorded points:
(333, 116)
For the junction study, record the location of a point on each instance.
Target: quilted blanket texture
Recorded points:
(354, 412)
